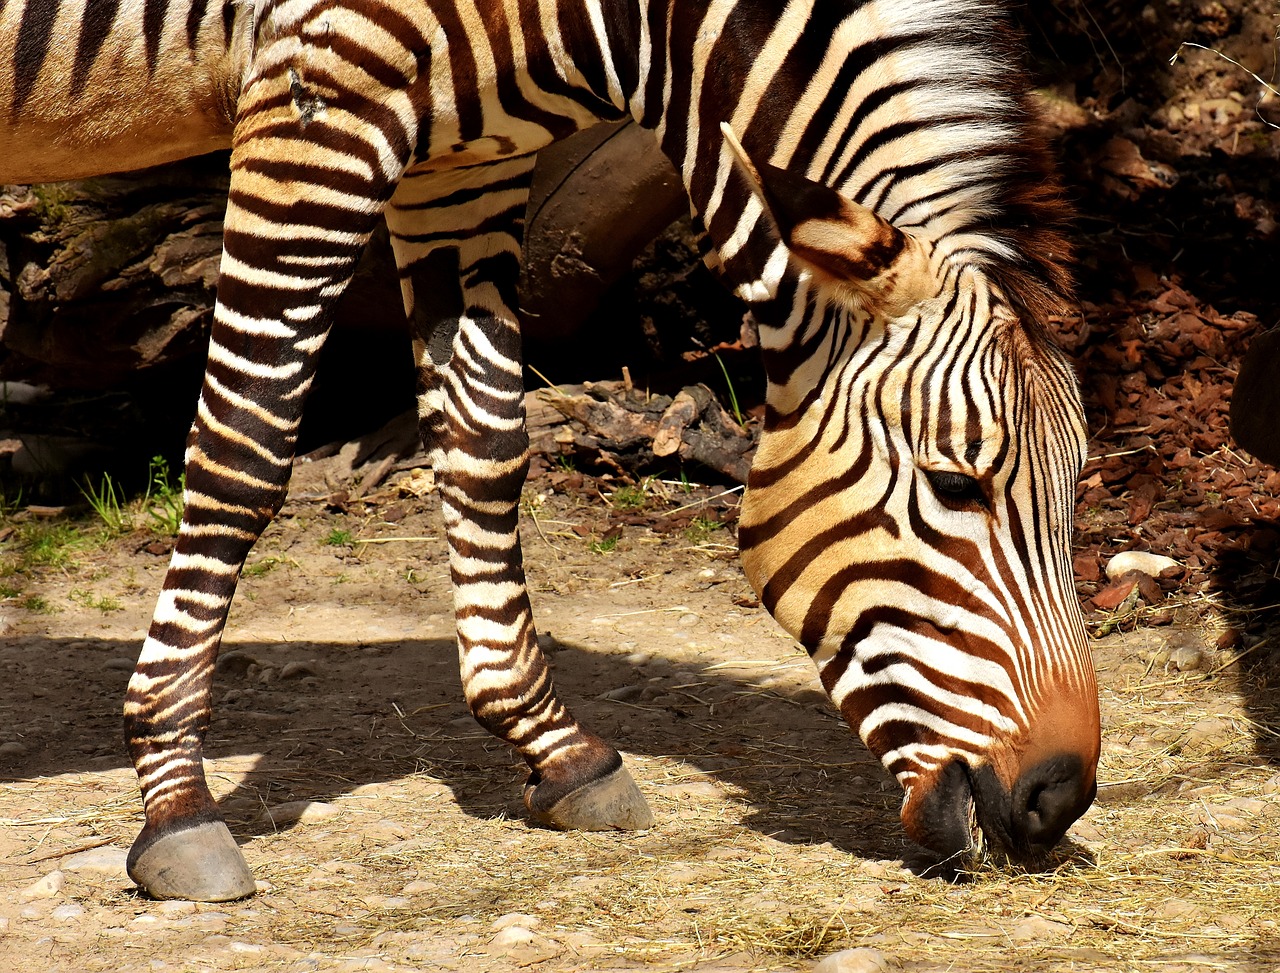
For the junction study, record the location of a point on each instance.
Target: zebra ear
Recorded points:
(841, 241)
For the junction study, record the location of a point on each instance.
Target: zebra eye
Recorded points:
(958, 491)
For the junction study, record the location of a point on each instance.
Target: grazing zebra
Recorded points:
(867, 179)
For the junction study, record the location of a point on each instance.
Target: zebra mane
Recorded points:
(1029, 213)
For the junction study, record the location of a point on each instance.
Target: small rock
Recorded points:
(44, 888)
(513, 936)
(1149, 564)
(302, 812)
(622, 694)
(296, 670)
(862, 960)
(688, 620)
(120, 664)
(107, 861)
(12, 749)
(515, 919)
(1186, 658)
(175, 907)
(65, 913)
(234, 663)
(1037, 928)
(1212, 731)
(695, 791)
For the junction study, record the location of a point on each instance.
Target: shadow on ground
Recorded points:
(361, 715)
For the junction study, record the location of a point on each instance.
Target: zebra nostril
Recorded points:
(1049, 797)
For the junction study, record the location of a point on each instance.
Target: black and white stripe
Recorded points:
(888, 214)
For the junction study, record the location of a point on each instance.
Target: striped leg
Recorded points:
(300, 212)
(471, 405)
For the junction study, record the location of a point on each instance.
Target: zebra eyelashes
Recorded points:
(957, 491)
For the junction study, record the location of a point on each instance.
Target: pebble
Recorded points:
(1148, 564)
(1186, 658)
(1038, 928)
(694, 790)
(175, 907)
(688, 621)
(419, 888)
(120, 664)
(234, 663)
(302, 812)
(861, 960)
(12, 749)
(108, 861)
(44, 888)
(296, 670)
(1212, 731)
(622, 693)
(65, 913)
(513, 936)
(515, 919)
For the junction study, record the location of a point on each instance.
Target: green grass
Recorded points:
(88, 599)
(603, 546)
(108, 501)
(630, 498)
(733, 395)
(163, 499)
(701, 529)
(37, 604)
(338, 538)
(260, 568)
(47, 544)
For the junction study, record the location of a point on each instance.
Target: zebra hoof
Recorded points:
(200, 863)
(612, 803)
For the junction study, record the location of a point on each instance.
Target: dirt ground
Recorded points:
(777, 837)
(385, 827)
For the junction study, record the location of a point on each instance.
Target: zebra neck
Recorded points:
(909, 107)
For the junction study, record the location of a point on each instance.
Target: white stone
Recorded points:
(513, 936)
(65, 913)
(108, 861)
(44, 888)
(862, 960)
(515, 919)
(303, 812)
(1149, 564)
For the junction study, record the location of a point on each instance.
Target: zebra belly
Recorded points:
(81, 97)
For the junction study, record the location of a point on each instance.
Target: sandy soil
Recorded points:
(777, 837)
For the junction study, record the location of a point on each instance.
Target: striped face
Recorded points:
(908, 520)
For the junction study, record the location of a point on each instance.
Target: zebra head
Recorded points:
(908, 519)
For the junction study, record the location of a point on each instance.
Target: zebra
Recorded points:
(865, 174)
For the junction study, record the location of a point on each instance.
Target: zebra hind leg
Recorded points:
(471, 404)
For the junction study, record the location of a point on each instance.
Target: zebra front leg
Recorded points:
(306, 190)
(472, 414)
